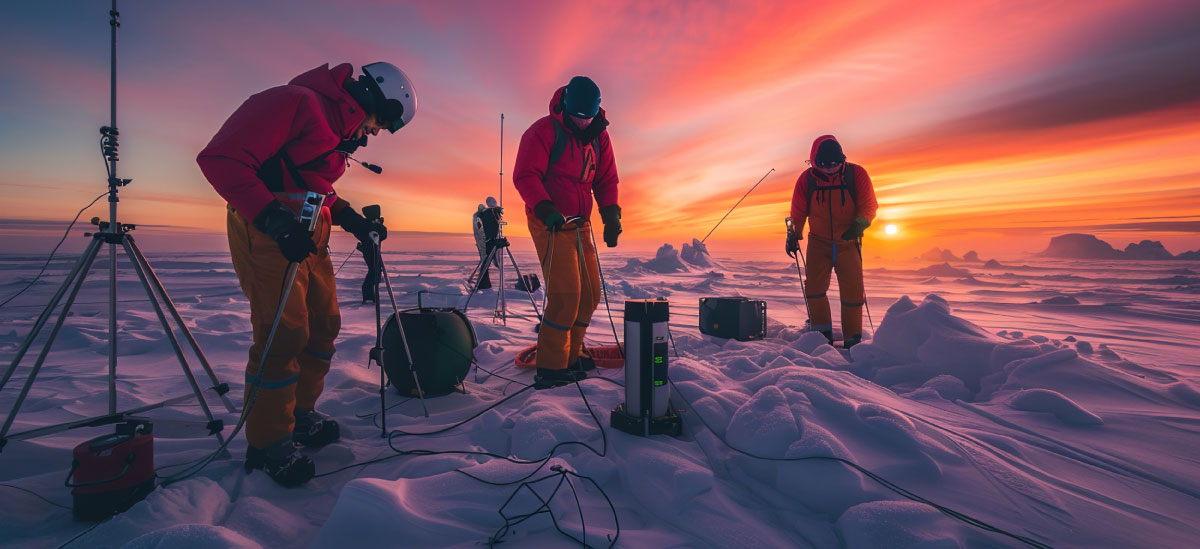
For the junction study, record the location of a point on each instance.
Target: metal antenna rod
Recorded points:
(501, 160)
(113, 22)
(710, 232)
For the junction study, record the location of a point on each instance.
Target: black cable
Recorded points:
(463, 422)
(563, 476)
(494, 374)
(554, 449)
(348, 256)
(52, 252)
(37, 495)
(83, 533)
(604, 291)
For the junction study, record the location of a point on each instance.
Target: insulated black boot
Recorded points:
(282, 462)
(314, 430)
(485, 281)
(369, 293)
(582, 366)
(852, 341)
(547, 379)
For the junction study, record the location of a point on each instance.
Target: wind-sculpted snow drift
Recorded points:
(1060, 440)
(796, 397)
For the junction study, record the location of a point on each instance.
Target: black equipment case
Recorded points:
(739, 318)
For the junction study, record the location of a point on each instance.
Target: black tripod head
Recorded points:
(372, 212)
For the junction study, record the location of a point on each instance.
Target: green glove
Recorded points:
(549, 215)
(856, 229)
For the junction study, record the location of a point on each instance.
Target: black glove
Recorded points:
(611, 216)
(294, 240)
(545, 211)
(856, 229)
(354, 223)
(793, 244)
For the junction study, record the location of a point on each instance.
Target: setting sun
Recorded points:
(890, 229)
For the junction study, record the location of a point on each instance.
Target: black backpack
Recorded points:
(847, 185)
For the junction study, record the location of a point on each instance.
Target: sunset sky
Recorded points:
(984, 125)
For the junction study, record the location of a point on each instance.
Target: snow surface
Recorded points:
(1072, 425)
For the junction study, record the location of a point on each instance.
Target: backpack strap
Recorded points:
(556, 150)
(846, 185)
(271, 171)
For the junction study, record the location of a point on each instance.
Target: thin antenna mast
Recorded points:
(502, 160)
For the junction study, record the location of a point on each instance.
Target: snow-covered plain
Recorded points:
(1057, 400)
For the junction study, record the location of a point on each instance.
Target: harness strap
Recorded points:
(263, 384)
(319, 354)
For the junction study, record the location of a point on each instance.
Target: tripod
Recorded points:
(113, 234)
(377, 352)
(499, 245)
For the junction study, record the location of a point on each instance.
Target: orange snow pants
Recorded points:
(572, 273)
(848, 265)
(300, 354)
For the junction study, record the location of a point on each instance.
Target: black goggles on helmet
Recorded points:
(390, 115)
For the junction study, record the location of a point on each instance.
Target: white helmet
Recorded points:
(392, 94)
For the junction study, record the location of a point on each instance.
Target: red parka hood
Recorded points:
(327, 81)
(556, 111)
(812, 155)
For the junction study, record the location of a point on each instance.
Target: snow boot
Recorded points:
(852, 341)
(828, 335)
(368, 291)
(485, 281)
(548, 379)
(314, 430)
(282, 462)
(582, 366)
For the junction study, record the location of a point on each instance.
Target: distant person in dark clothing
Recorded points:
(370, 283)
(486, 227)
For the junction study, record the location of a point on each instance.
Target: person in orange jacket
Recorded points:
(565, 159)
(277, 146)
(838, 201)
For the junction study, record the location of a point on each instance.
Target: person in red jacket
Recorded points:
(838, 201)
(277, 146)
(566, 158)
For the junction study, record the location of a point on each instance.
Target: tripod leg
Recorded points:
(48, 311)
(377, 353)
(162, 318)
(112, 328)
(403, 338)
(220, 388)
(471, 278)
(58, 324)
(501, 305)
(517, 269)
(475, 288)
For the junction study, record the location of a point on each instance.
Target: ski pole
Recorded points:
(791, 231)
(309, 215)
